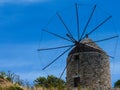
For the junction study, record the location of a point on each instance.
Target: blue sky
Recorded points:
(21, 22)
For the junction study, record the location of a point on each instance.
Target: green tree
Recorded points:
(50, 81)
(41, 81)
(117, 84)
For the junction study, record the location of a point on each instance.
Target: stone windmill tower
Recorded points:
(89, 66)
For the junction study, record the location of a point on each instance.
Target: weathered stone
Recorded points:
(90, 63)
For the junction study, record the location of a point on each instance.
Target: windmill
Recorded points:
(87, 63)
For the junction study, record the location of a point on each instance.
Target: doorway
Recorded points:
(76, 81)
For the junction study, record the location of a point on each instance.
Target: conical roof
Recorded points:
(86, 45)
(89, 42)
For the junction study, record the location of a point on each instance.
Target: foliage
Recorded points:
(18, 88)
(117, 84)
(2, 74)
(41, 81)
(50, 81)
(12, 77)
(11, 88)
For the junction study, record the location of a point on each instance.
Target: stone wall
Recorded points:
(93, 68)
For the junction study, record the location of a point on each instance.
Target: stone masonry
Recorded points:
(88, 66)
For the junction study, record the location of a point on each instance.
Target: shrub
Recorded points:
(10, 88)
(19, 88)
(13, 88)
(117, 84)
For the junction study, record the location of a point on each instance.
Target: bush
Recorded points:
(10, 88)
(117, 84)
(49, 81)
(18, 88)
(13, 88)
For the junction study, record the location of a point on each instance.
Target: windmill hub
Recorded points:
(77, 43)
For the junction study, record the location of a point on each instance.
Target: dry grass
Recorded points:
(5, 83)
(40, 88)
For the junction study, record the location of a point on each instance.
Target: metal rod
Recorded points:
(104, 39)
(77, 18)
(64, 25)
(99, 25)
(88, 22)
(66, 67)
(70, 38)
(56, 58)
(56, 35)
(111, 56)
(54, 48)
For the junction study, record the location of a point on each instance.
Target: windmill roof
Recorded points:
(89, 42)
(87, 45)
